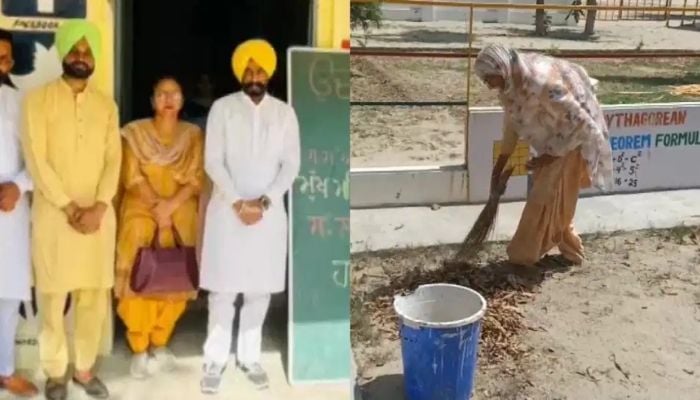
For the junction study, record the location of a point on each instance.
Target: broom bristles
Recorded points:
(485, 222)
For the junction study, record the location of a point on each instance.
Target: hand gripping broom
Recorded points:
(485, 222)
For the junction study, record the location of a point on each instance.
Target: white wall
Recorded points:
(646, 155)
(396, 12)
(527, 17)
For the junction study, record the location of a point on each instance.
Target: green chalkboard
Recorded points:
(319, 285)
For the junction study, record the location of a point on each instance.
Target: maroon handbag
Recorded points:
(159, 270)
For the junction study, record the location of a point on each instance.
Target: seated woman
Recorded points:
(550, 104)
(162, 176)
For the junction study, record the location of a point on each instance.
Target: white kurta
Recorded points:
(15, 269)
(251, 150)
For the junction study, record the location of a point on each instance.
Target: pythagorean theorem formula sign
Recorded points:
(655, 147)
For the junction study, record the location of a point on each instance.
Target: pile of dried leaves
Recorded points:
(503, 289)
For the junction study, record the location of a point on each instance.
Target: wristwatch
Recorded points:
(264, 202)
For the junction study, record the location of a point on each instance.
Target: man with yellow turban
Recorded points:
(252, 157)
(71, 142)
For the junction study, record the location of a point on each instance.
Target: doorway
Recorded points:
(193, 40)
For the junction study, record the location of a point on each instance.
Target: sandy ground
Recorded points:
(622, 326)
(454, 34)
(385, 136)
(408, 136)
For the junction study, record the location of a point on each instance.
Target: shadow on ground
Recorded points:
(557, 33)
(491, 279)
(488, 278)
(384, 387)
(422, 36)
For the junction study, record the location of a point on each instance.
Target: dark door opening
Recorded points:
(193, 40)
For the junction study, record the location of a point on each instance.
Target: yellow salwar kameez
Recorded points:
(547, 219)
(72, 147)
(150, 321)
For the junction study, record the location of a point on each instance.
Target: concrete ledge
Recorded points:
(378, 229)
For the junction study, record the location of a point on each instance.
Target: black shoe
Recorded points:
(55, 390)
(94, 388)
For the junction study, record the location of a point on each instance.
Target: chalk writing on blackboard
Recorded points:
(626, 169)
(327, 157)
(315, 186)
(341, 273)
(326, 78)
(344, 223)
(319, 226)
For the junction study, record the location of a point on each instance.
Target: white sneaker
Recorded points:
(139, 366)
(256, 375)
(210, 382)
(164, 358)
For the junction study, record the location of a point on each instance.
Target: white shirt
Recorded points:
(15, 270)
(251, 150)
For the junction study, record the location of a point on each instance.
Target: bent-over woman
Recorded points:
(550, 104)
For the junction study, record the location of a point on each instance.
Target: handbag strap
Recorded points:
(155, 242)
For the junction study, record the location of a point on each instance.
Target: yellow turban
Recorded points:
(70, 33)
(255, 49)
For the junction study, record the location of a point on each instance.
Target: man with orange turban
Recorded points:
(252, 157)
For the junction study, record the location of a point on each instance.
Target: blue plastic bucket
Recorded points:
(440, 330)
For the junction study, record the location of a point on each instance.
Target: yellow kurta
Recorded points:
(72, 148)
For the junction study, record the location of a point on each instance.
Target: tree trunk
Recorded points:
(590, 18)
(540, 28)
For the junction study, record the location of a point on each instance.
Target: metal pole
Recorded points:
(619, 13)
(440, 53)
(469, 87)
(685, 3)
(498, 6)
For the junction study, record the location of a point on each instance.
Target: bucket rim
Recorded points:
(413, 322)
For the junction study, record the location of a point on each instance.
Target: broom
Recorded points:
(484, 223)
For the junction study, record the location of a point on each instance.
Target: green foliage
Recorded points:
(365, 15)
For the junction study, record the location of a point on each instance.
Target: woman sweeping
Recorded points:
(550, 104)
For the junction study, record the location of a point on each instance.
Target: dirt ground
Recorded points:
(400, 135)
(385, 136)
(454, 34)
(622, 326)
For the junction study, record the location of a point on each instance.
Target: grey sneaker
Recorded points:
(139, 366)
(256, 374)
(210, 382)
(164, 358)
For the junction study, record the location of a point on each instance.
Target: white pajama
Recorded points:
(15, 268)
(9, 318)
(217, 347)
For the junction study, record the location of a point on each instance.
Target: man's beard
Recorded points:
(254, 89)
(6, 80)
(77, 70)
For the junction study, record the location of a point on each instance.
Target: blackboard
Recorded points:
(319, 284)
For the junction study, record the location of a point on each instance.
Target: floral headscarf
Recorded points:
(551, 103)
